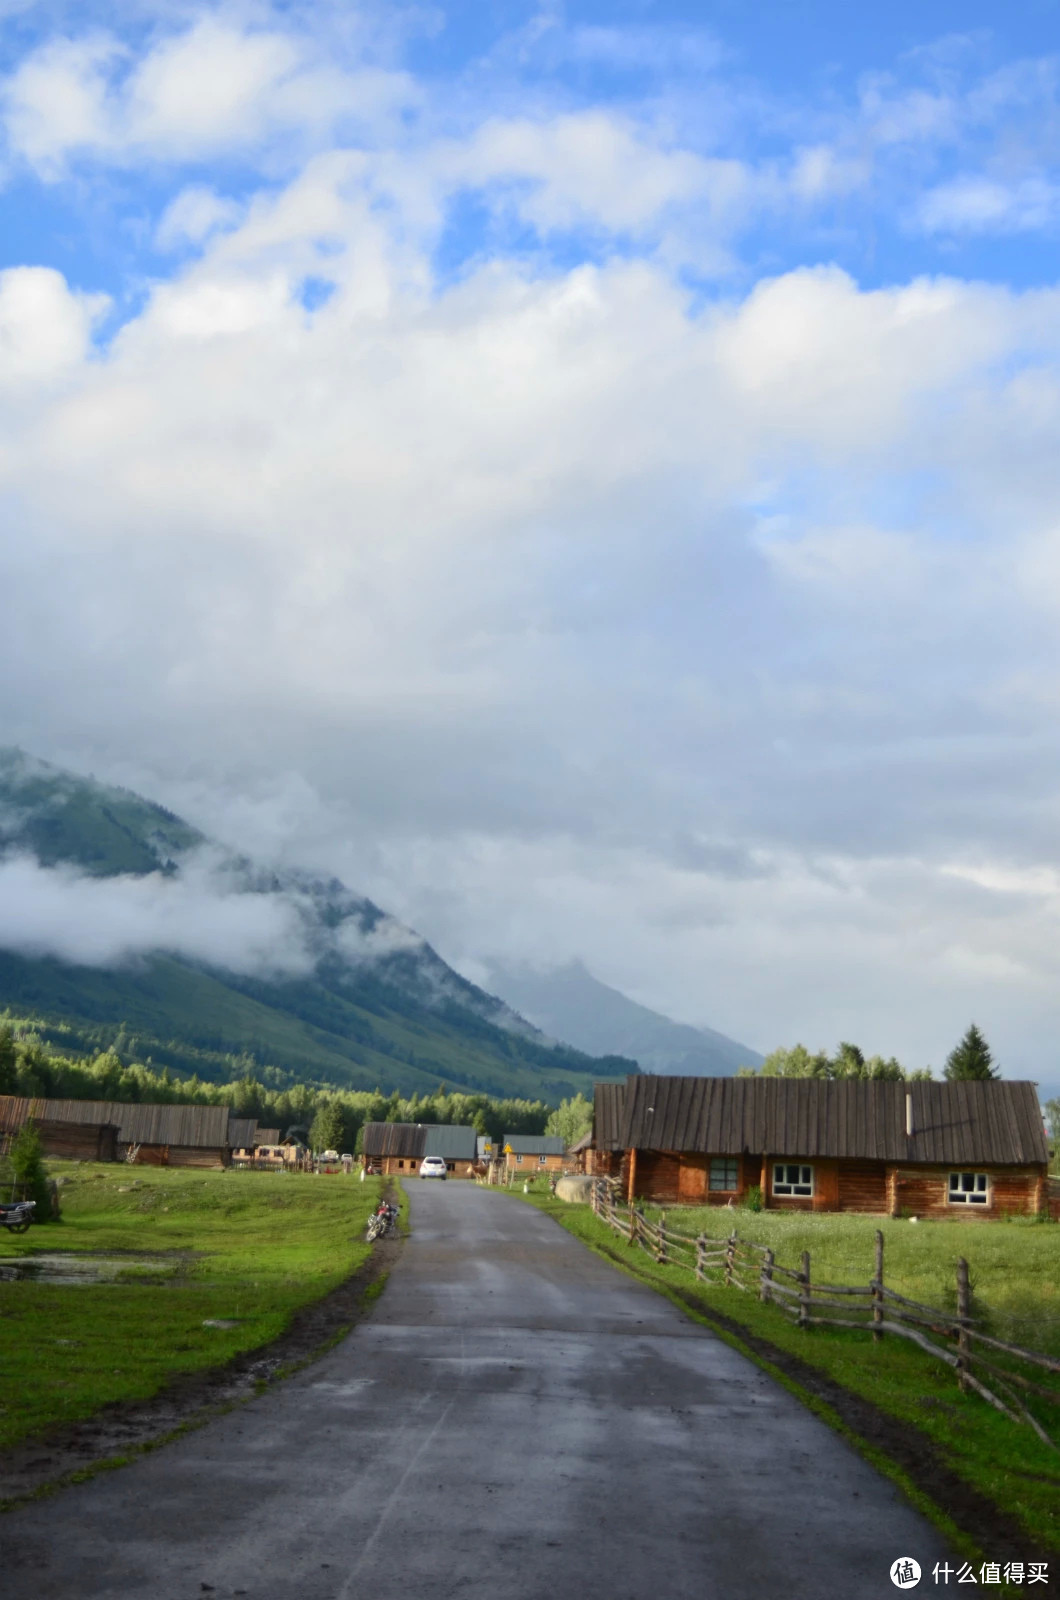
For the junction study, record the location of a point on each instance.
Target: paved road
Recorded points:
(516, 1419)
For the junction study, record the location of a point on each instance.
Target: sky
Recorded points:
(585, 474)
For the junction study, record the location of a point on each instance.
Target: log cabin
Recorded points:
(922, 1149)
(390, 1148)
(108, 1130)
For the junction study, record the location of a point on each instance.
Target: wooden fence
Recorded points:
(989, 1367)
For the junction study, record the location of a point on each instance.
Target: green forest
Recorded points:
(48, 1061)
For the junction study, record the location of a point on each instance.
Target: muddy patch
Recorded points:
(83, 1268)
(63, 1453)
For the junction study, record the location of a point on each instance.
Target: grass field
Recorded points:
(1013, 1263)
(242, 1248)
(1014, 1276)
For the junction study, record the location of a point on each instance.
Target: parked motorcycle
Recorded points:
(17, 1216)
(383, 1221)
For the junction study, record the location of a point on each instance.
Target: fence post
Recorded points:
(877, 1290)
(701, 1250)
(964, 1309)
(730, 1256)
(660, 1254)
(804, 1291)
(632, 1224)
(765, 1292)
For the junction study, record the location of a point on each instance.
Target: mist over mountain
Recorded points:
(568, 1003)
(114, 911)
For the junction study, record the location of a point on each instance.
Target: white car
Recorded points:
(433, 1167)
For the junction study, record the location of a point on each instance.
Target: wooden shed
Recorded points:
(399, 1147)
(61, 1137)
(179, 1136)
(923, 1149)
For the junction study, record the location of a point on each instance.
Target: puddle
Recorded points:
(57, 1267)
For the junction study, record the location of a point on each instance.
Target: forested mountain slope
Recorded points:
(338, 992)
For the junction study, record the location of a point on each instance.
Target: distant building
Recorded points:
(528, 1153)
(391, 1148)
(922, 1149)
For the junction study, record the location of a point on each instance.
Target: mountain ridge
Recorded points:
(569, 1003)
(365, 998)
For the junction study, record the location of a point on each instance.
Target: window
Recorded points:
(518, 1161)
(969, 1189)
(401, 1164)
(541, 1160)
(724, 1174)
(790, 1178)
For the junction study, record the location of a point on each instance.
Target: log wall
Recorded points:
(670, 1177)
(922, 1192)
(862, 1186)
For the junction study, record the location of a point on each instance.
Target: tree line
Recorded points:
(326, 1118)
(970, 1059)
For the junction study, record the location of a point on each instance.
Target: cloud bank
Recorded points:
(105, 922)
(527, 501)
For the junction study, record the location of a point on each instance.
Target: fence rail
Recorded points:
(872, 1307)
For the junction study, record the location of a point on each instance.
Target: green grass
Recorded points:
(1013, 1268)
(1012, 1262)
(247, 1247)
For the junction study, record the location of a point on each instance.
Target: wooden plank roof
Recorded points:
(995, 1122)
(454, 1141)
(399, 1139)
(609, 1101)
(534, 1144)
(241, 1131)
(198, 1127)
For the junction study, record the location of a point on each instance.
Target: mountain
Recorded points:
(568, 1003)
(343, 994)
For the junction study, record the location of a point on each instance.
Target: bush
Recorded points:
(753, 1198)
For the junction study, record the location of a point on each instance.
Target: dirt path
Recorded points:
(513, 1416)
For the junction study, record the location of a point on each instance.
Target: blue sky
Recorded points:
(587, 474)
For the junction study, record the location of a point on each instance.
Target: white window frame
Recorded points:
(980, 1195)
(800, 1187)
(732, 1162)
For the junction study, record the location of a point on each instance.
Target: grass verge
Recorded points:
(990, 1485)
(232, 1257)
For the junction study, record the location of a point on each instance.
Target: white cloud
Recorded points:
(200, 914)
(44, 327)
(193, 215)
(215, 87)
(979, 204)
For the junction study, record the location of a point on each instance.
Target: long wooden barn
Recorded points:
(108, 1130)
(807, 1144)
(399, 1147)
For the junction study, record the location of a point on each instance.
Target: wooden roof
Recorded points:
(454, 1141)
(609, 1101)
(241, 1131)
(995, 1122)
(534, 1144)
(198, 1127)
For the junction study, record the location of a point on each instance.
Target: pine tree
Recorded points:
(27, 1166)
(8, 1061)
(970, 1059)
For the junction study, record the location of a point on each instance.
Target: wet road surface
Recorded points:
(515, 1419)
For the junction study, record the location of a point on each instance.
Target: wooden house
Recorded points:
(527, 1153)
(807, 1144)
(399, 1147)
(102, 1130)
